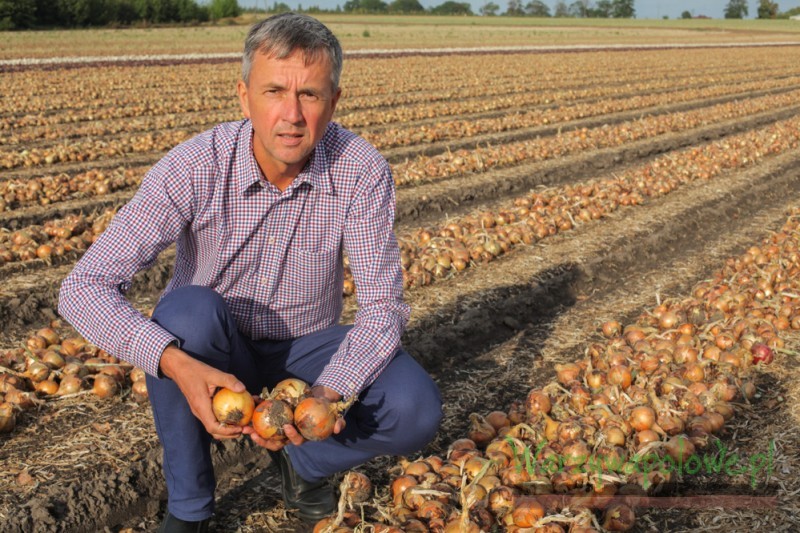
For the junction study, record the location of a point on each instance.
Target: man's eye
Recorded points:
(309, 97)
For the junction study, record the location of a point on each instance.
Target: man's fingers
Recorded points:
(274, 444)
(293, 435)
(339, 426)
(221, 431)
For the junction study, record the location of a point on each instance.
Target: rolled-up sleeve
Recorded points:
(92, 298)
(374, 256)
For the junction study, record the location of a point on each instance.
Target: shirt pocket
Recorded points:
(309, 275)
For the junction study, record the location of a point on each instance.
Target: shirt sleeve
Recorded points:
(92, 297)
(374, 255)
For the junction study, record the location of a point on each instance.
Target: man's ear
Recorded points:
(335, 99)
(244, 103)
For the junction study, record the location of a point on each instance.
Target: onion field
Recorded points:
(601, 249)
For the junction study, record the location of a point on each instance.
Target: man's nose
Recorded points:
(292, 109)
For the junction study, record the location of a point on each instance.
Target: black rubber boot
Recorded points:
(313, 501)
(172, 524)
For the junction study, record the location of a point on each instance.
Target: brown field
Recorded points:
(540, 196)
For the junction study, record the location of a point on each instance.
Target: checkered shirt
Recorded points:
(275, 257)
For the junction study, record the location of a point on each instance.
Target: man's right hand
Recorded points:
(198, 382)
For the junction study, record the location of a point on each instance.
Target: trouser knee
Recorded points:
(197, 316)
(417, 419)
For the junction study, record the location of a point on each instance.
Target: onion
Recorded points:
(618, 518)
(50, 335)
(567, 373)
(642, 418)
(399, 485)
(501, 500)
(315, 418)
(612, 328)
(234, 408)
(620, 375)
(613, 435)
(762, 353)
(527, 511)
(269, 418)
(358, 487)
(498, 420)
(680, 448)
(537, 402)
(105, 386)
(21, 399)
(70, 384)
(139, 391)
(490, 482)
(53, 359)
(46, 387)
(8, 419)
(480, 431)
(291, 391)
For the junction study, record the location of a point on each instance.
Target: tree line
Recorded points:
(24, 14)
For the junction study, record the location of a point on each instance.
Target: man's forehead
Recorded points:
(309, 57)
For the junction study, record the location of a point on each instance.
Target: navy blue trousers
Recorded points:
(397, 415)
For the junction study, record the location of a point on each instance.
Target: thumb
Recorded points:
(231, 382)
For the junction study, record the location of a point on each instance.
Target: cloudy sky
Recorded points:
(644, 8)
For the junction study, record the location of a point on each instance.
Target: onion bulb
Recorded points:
(618, 518)
(105, 386)
(269, 418)
(527, 511)
(291, 391)
(762, 353)
(315, 418)
(642, 418)
(234, 408)
(8, 419)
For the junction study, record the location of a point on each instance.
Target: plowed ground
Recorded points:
(487, 335)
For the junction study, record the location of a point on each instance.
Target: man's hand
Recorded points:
(198, 381)
(292, 435)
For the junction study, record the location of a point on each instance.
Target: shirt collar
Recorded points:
(247, 173)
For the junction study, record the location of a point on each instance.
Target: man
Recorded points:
(261, 211)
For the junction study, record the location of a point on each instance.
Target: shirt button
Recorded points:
(271, 240)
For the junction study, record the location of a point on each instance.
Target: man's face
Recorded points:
(290, 103)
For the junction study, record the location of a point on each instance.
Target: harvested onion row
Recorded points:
(85, 93)
(460, 129)
(55, 365)
(659, 389)
(434, 253)
(460, 162)
(46, 190)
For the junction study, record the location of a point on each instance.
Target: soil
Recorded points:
(486, 335)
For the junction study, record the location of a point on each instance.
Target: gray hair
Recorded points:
(280, 35)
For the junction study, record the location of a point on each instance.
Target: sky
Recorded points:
(644, 8)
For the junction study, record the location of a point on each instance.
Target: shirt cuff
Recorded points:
(146, 346)
(344, 380)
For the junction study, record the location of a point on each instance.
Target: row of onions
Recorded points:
(49, 189)
(93, 149)
(433, 253)
(148, 141)
(428, 254)
(599, 104)
(464, 128)
(54, 364)
(567, 457)
(137, 92)
(482, 159)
